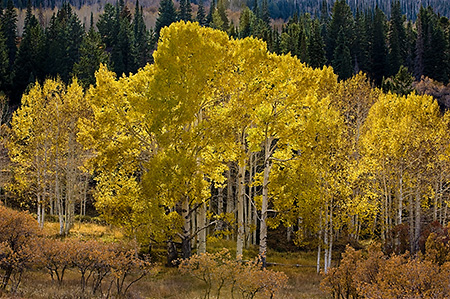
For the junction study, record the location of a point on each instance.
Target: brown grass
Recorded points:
(168, 282)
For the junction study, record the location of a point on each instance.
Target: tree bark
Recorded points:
(201, 223)
(186, 236)
(265, 203)
(240, 212)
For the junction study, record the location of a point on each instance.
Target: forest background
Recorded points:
(261, 137)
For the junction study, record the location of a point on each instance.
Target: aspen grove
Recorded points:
(219, 138)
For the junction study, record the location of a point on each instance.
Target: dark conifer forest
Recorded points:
(375, 37)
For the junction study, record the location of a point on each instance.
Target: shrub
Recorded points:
(375, 275)
(218, 270)
(18, 239)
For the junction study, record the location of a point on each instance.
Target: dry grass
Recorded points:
(86, 231)
(168, 282)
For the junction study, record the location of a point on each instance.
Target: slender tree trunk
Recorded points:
(186, 237)
(240, 211)
(230, 197)
(249, 214)
(319, 246)
(400, 199)
(418, 221)
(385, 210)
(39, 210)
(330, 249)
(265, 203)
(220, 207)
(411, 224)
(202, 233)
(325, 242)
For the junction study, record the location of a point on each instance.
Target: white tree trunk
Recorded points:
(230, 197)
(265, 203)
(201, 223)
(240, 212)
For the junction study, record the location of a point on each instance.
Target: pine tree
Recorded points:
(92, 54)
(419, 49)
(223, 14)
(361, 47)
(124, 54)
(302, 51)
(108, 26)
(29, 63)
(9, 29)
(166, 15)
(265, 15)
(245, 29)
(141, 38)
(342, 59)
(201, 14)
(379, 48)
(209, 17)
(5, 78)
(397, 40)
(316, 47)
(185, 13)
(342, 20)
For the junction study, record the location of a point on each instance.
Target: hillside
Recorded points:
(278, 8)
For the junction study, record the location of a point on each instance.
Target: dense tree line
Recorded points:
(248, 141)
(284, 9)
(229, 143)
(65, 48)
(349, 41)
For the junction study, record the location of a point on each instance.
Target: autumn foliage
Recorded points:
(373, 274)
(219, 271)
(103, 268)
(18, 237)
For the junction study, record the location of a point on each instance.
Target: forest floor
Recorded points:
(167, 282)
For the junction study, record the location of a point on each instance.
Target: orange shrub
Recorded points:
(18, 237)
(218, 270)
(375, 275)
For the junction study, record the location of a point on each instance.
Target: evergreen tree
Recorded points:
(141, 38)
(29, 64)
(379, 47)
(209, 17)
(361, 49)
(245, 29)
(274, 46)
(438, 61)
(75, 33)
(265, 15)
(419, 49)
(166, 16)
(9, 30)
(5, 78)
(324, 19)
(223, 14)
(64, 37)
(342, 59)
(397, 40)
(108, 26)
(201, 14)
(316, 47)
(92, 54)
(290, 37)
(124, 54)
(185, 11)
(431, 45)
(341, 21)
(302, 51)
